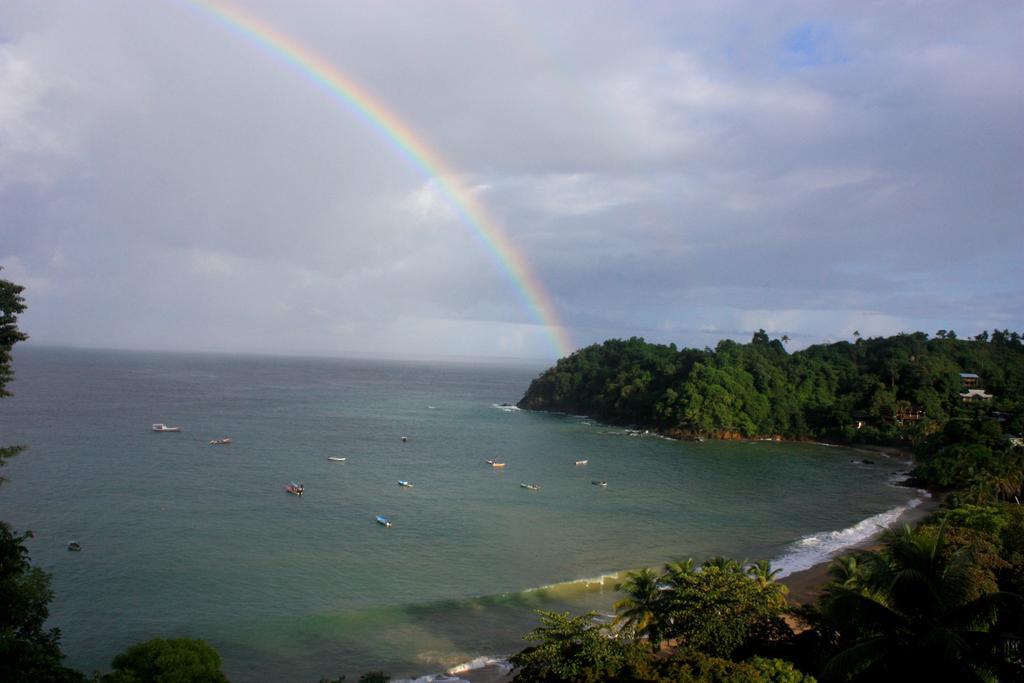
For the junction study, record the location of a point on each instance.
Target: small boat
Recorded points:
(531, 487)
(220, 442)
(334, 458)
(160, 427)
(492, 463)
(582, 462)
(599, 483)
(406, 484)
(383, 521)
(75, 546)
(295, 488)
(404, 439)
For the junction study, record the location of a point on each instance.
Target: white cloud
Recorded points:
(33, 145)
(428, 203)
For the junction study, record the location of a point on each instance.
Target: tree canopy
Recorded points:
(177, 660)
(901, 388)
(11, 305)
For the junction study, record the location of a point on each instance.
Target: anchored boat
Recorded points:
(295, 488)
(531, 487)
(333, 458)
(599, 483)
(406, 484)
(220, 442)
(582, 462)
(383, 521)
(161, 427)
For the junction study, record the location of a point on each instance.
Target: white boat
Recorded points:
(220, 442)
(295, 488)
(333, 458)
(74, 546)
(582, 462)
(406, 484)
(383, 521)
(599, 483)
(531, 487)
(160, 427)
(495, 463)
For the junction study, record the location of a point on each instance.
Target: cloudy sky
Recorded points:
(678, 171)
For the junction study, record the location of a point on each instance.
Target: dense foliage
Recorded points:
(177, 660)
(28, 650)
(685, 625)
(11, 305)
(894, 389)
(934, 603)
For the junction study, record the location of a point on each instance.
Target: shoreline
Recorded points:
(899, 452)
(805, 586)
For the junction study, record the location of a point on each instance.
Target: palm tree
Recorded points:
(916, 622)
(726, 564)
(854, 572)
(763, 572)
(640, 610)
(677, 569)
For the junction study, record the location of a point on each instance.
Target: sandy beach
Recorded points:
(805, 586)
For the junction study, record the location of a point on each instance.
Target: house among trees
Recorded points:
(972, 395)
(912, 414)
(972, 390)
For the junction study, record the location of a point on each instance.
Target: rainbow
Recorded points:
(404, 140)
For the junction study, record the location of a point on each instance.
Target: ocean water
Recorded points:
(181, 538)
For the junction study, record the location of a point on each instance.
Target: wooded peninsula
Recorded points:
(907, 390)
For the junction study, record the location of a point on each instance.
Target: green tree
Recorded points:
(177, 660)
(28, 651)
(921, 621)
(720, 610)
(573, 649)
(778, 671)
(640, 610)
(11, 305)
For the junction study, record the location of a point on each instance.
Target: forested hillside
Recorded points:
(887, 390)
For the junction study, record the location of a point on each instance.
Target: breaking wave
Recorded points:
(500, 663)
(822, 546)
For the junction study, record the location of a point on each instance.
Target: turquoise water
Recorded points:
(184, 538)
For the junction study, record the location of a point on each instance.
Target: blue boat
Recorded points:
(382, 520)
(403, 482)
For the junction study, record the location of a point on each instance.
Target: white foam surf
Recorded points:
(823, 546)
(451, 675)
(501, 663)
